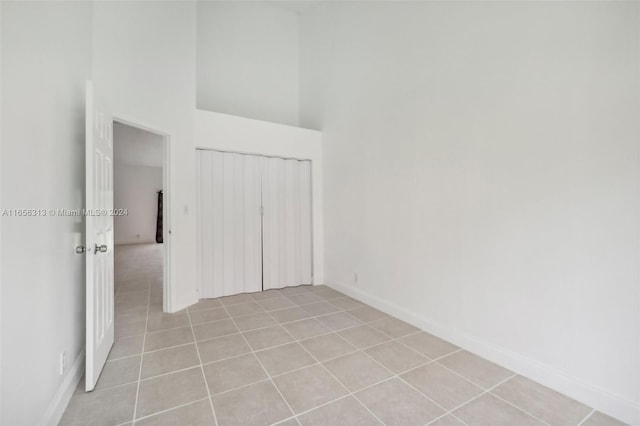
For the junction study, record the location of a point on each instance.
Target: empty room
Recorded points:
(329, 213)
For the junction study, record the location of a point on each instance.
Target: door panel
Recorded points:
(229, 223)
(306, 228)
(287, 222)
(271, 221)
(252, 243)
(217, 237)
(99, 236)
(229, 284)
(290, 213)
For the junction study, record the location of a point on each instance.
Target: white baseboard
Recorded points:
(62, 397)
(600, 399)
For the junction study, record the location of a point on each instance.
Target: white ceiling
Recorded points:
(135, 147)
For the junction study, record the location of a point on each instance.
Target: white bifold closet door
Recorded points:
(229, 223)
(254, 223)
(286, 197)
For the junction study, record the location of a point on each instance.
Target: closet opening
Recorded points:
(254, 223)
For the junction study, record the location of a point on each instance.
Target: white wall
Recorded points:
(246, 136)
(138, 159)
(482, 177)
(247, 61)
(135, 189)
(144, 66)
(46, 58)
(137, 147)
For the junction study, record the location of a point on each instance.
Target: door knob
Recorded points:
(80, 249)
(101, 249)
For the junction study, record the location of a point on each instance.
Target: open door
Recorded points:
(99, 235)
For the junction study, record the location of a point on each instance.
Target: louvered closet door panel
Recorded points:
(216, 217)
(229, 237)
(270, 223)
(306, 227)
(229, 227)
(286, 223)
(289, 229)
(282, 223)
(203, 203)
(253, 222)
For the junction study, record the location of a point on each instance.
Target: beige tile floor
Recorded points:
(304, 355)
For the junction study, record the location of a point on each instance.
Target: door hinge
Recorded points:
(261, 210)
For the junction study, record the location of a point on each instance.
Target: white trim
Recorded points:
(132, 122)
(64, 393)
(1, 239)
(600, 399)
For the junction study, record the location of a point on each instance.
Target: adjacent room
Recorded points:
(323, 213)
(139, 252)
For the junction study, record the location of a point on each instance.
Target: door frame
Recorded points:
(167, 288)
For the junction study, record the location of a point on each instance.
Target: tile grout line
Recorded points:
(489, 390)
(150, 352)
(349, 393)
(295, 415)
(289, 371)
(331, 332)
(593, 410)
(135, 406)
(334, 332)
(436, 360)
(340, 309)
(517, 407)
(451, 411)
(204, 376)
(324, 404)
(394, 375)
(356, 350)
(397, 376)
(447, 412)
(484, 391)
(442, 417)
(265, 327)
(166, 410)
(261, 365)
(277, 324)
(351, 352)
(294, 304)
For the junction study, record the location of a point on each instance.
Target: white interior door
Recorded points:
(287, 229)
(99, 235)
(229, 223)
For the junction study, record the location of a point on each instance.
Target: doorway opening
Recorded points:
(141, 222)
